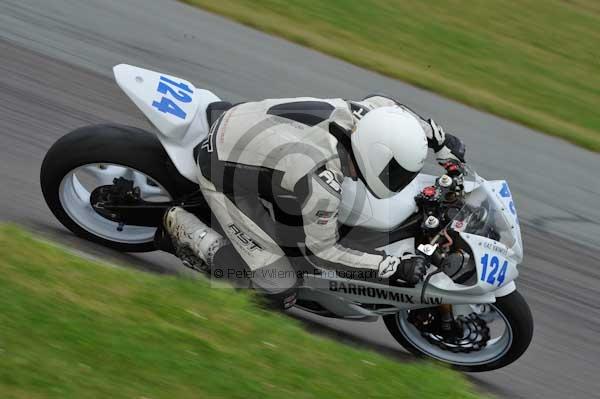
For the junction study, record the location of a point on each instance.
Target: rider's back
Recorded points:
(286, 135)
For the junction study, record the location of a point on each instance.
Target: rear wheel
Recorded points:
(508, 329)
(94, 156)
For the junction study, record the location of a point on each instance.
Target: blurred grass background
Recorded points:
(534, 61)
(71, 328)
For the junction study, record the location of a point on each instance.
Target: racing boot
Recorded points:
(195, 243)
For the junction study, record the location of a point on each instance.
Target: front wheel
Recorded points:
(506, 327)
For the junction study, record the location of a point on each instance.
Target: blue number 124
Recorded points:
(179, 91)
(488, 274)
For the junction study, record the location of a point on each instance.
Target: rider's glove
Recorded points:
(446, 146)
(409, 268)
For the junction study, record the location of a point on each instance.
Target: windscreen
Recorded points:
(484, 215)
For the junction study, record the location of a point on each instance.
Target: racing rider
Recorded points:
(302, 149)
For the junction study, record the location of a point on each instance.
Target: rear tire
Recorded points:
(518, 315)
(108, 144)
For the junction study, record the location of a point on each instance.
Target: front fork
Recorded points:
(446, 319)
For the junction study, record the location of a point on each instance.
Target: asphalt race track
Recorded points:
(55, 75)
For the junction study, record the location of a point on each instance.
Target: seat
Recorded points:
(215, 110)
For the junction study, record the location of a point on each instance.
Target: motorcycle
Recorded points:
(111, 184)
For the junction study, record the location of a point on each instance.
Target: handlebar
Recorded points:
(439, 204)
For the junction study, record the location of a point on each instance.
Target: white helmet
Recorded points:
(390, 148)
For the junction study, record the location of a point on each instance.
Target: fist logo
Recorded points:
(329, 178)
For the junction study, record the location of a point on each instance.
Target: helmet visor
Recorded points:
(395, 177)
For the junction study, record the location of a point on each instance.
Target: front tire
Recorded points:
(135, 150)
(513, 309)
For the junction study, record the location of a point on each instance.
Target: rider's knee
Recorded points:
(276, 276)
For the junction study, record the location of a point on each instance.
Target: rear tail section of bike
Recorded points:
(174, 106)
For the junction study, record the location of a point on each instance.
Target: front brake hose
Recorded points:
(426, 283)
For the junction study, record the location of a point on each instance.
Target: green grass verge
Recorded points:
(534, 61)
(71, 328)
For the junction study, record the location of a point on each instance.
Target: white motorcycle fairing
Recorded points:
(174, 106)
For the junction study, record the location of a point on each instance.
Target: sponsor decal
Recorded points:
(379, 293)
(505, 191)
(248, 243)
(458, 225)
(391, 267)
(495, 248)
(328, 177)
(207, 145)
(325, 214)
(358, 111)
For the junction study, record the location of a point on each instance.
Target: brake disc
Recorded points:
(470, 333)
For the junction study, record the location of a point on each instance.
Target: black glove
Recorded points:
(410, 268)
(446, 146)
(453, 149)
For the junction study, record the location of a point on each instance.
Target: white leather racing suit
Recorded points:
(262, 156)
